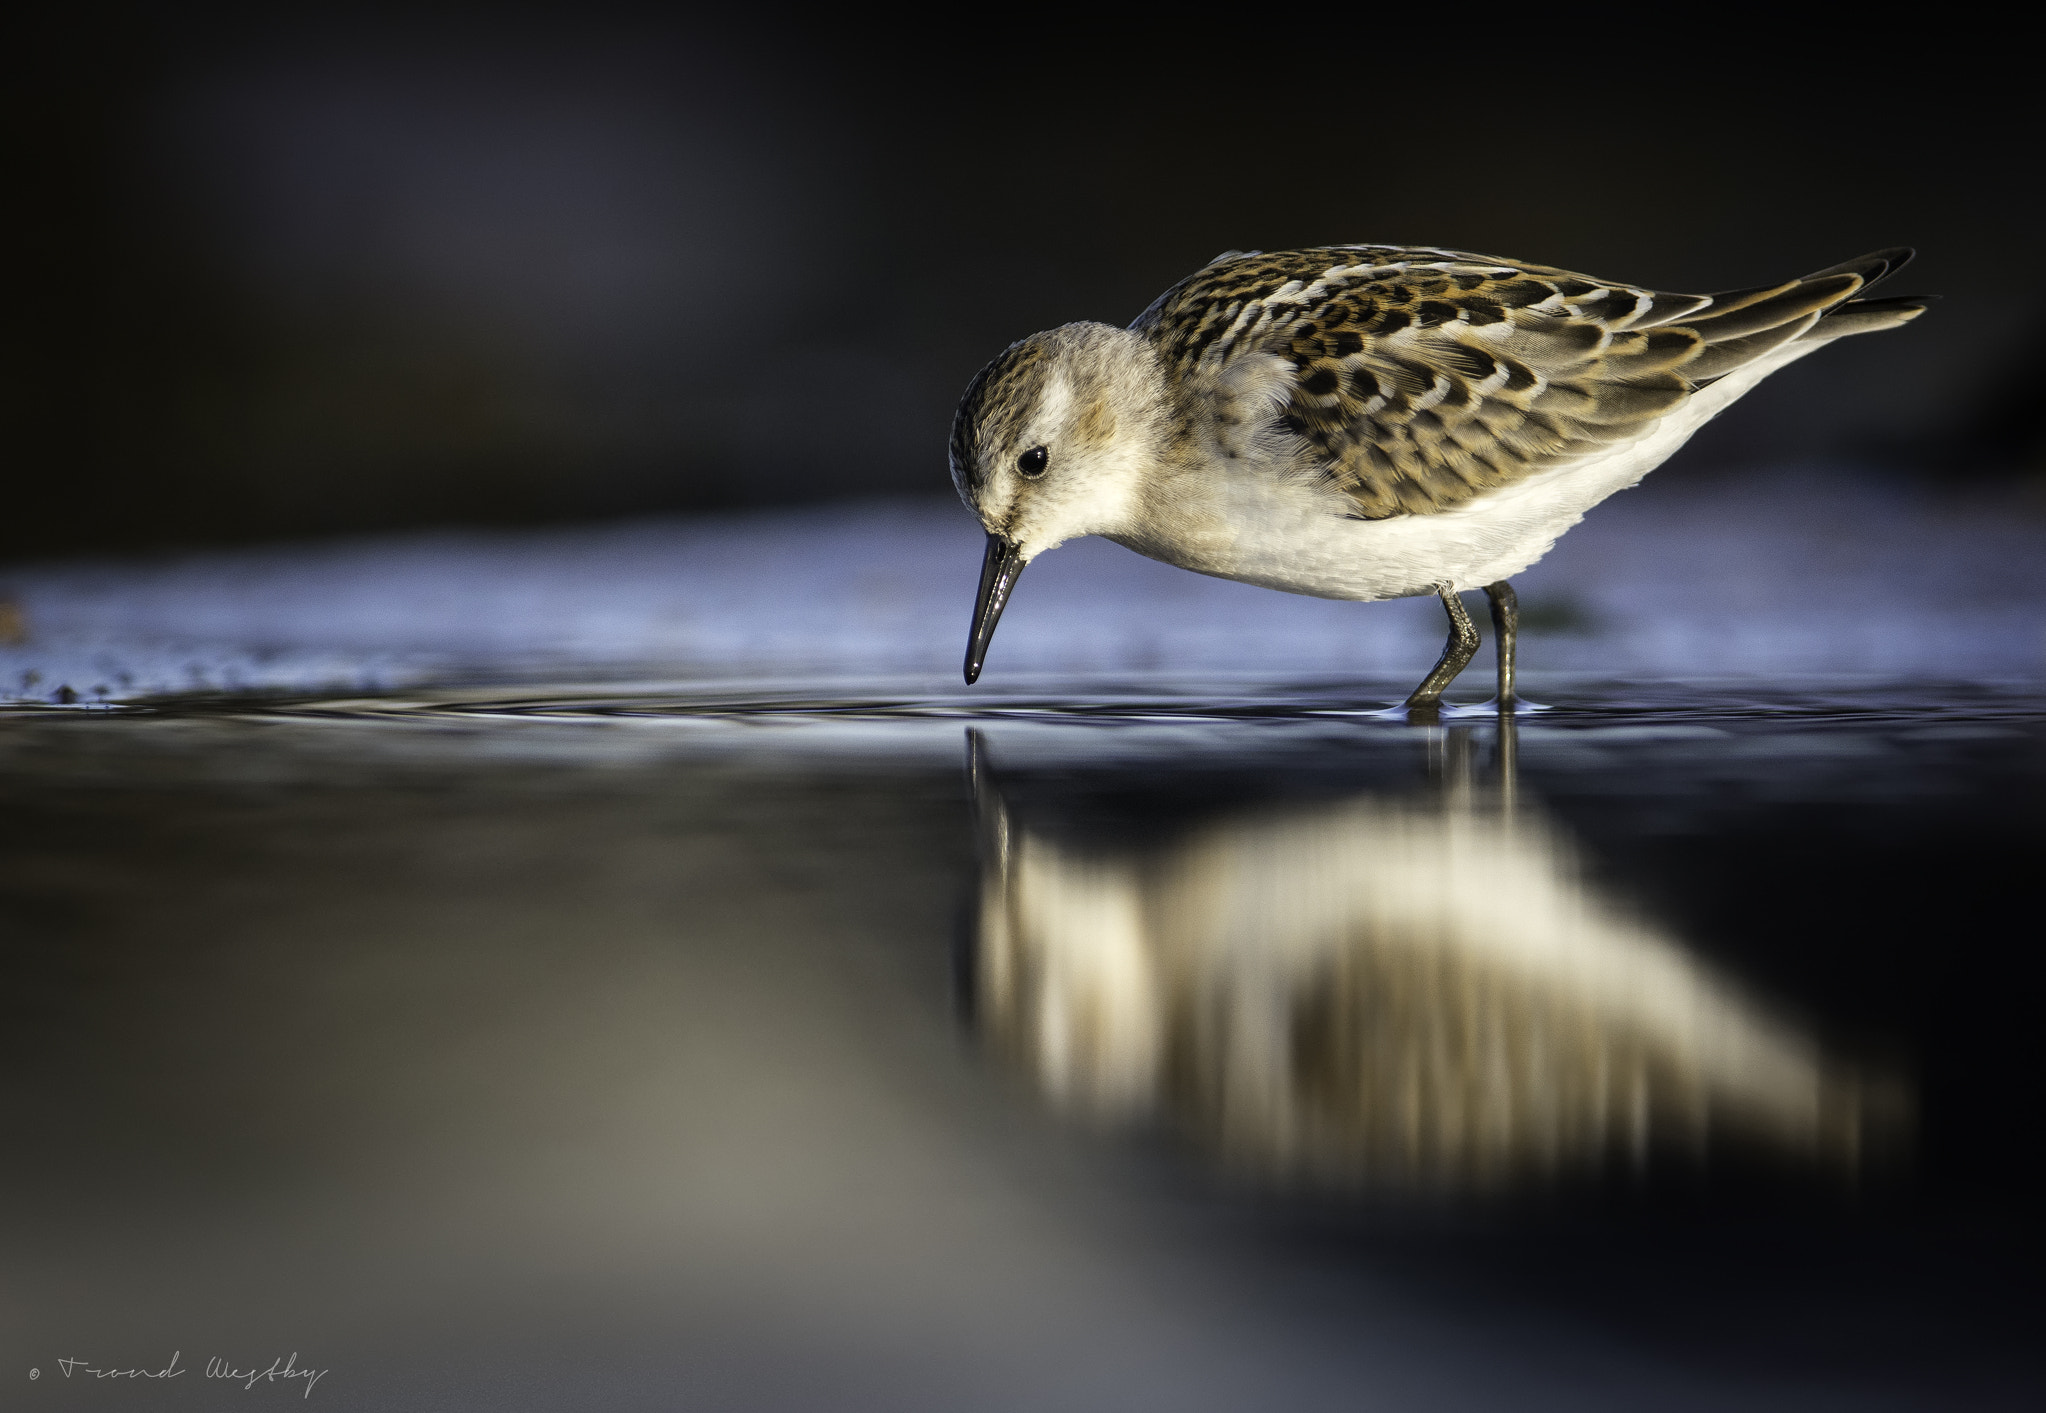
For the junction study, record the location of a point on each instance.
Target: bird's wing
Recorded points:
(1422, 378)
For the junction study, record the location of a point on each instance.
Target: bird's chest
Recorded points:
(1270, 525)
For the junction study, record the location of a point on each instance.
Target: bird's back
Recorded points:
(1418, 380)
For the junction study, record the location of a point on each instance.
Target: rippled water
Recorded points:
(1084, 1043)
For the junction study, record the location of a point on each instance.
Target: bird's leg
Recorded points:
(1456, 653)
(1505, 628)
(1506, 756)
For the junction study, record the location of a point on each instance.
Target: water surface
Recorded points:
(1089, 1043)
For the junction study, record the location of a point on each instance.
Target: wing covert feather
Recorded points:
(1422, 378)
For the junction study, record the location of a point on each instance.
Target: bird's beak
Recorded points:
(998, 574)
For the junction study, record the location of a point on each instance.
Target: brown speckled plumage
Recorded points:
(1423, 378)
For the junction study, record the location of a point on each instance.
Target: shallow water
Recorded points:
(1089, 1043)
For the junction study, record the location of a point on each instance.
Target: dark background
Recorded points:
(354, 268)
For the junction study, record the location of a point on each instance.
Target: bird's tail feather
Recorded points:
(1741, 326)
(1874, 267)
(1865, 316)
(1861, 315)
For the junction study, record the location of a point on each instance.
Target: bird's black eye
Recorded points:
(1032, 462)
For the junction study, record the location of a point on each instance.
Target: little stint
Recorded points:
(1368, 421)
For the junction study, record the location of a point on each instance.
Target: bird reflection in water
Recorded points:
(1401, 993)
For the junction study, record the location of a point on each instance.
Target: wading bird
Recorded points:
(1368, 421)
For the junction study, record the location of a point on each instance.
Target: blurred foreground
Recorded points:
(650, 1049)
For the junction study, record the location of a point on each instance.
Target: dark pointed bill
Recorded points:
(998, 574)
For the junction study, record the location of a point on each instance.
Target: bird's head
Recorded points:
(1054, 440)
